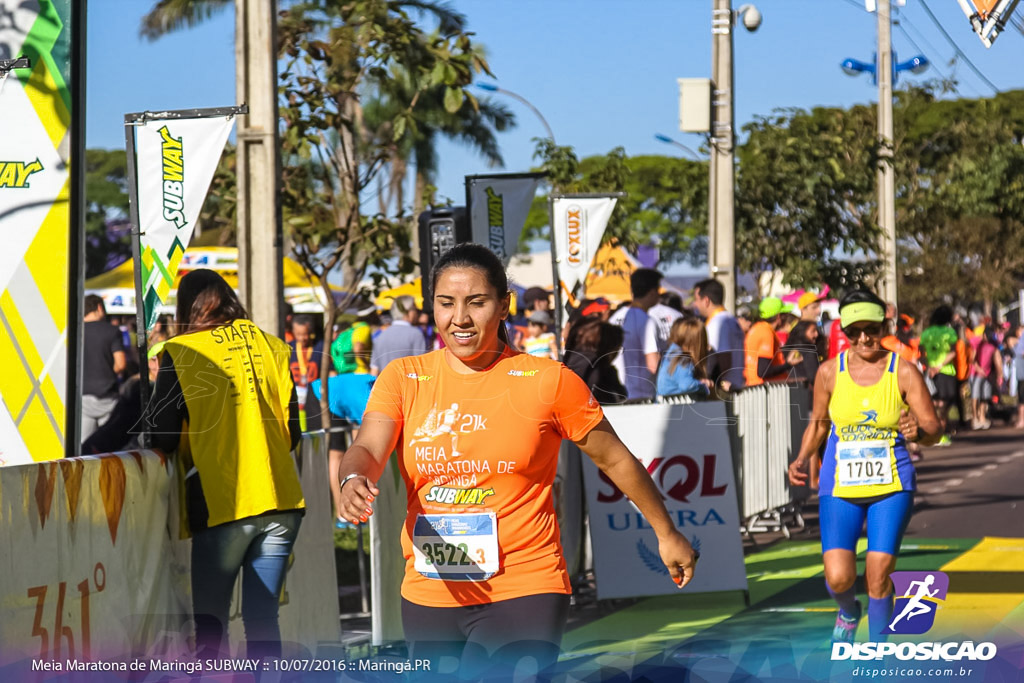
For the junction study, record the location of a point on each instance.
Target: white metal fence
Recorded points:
(769, 425)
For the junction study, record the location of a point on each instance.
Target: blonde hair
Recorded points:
(690, 336)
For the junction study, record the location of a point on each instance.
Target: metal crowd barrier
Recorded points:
(770, 422)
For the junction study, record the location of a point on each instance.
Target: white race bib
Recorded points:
(456, 547)
(863, 463)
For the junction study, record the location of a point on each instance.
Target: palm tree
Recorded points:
(171, 15)
(474, 124)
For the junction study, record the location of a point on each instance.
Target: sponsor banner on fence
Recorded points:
(686, 450)
(176, 162)
(94, 570)
(35, 159)
(498, 206)
(577, 224)
(88, 574)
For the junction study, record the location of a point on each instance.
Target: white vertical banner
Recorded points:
(498, 206)
(577, 226)
(177, 158)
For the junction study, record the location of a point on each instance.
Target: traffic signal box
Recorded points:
(439, 230)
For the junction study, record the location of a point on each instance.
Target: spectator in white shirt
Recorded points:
(725, 337)
(639, 358)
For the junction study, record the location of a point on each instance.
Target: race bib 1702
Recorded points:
(864, 463)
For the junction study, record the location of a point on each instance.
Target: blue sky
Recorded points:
(602, 72)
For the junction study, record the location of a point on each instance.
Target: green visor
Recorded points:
(862, 311)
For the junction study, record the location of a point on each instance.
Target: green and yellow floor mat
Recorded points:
(784, 633)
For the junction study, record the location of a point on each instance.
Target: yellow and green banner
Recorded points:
(35, 217)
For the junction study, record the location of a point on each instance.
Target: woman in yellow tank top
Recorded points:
(868, 404)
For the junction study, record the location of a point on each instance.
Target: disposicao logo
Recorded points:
(918, 595)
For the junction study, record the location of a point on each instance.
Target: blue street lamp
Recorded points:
(490, 87)
(853, 67)
(669, 141)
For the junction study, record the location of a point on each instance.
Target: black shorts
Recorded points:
(469, 642)
(1020, 391)
(338, 441)
(946, 388)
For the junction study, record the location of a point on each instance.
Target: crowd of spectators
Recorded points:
(660, 343)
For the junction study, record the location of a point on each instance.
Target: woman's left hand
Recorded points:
(908, 425)
(679, 556)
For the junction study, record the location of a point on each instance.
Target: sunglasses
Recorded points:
(870, 329)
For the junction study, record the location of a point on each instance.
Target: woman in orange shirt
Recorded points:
(478, 426)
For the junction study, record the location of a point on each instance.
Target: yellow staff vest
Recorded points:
(236, 383)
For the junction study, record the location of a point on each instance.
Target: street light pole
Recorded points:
(669, 141)
(489, 87)
(886, 172)
(721, 204)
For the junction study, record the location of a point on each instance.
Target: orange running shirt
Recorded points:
(761, 342)
(478, 445)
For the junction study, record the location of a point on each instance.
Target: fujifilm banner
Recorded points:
(498, 206)
(176, 160)
(577, 226)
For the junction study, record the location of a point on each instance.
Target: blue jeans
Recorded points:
(260, 547)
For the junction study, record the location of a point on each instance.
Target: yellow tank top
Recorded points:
(866, 455)
(236, 383)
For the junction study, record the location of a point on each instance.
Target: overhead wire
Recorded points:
(1017, 23)
(899, 25)
(956, 47)
(854, 3)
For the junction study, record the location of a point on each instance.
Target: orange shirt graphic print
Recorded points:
(436, 425)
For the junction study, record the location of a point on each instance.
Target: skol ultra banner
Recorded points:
(687, 453)
(176, 162)
(498, 206)
(577, 226)
(35, 162)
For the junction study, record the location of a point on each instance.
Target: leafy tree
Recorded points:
(173, 15)
(665, 202)
(334, 57)
(961, 213)
(804, 199)
(106, 194)
(334, 54)
(474, 124)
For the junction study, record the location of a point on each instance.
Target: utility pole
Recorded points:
(258, 162)
(721, 202)
(886, 172)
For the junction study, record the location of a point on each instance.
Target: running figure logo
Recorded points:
(870, 416)
(436, 425)
(918, 595)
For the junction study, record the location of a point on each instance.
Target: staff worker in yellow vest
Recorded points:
(224, 398)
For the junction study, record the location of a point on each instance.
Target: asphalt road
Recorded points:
(973, 488)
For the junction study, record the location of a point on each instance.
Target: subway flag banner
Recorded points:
(35, 161)
(176, 162)
(498, 206)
